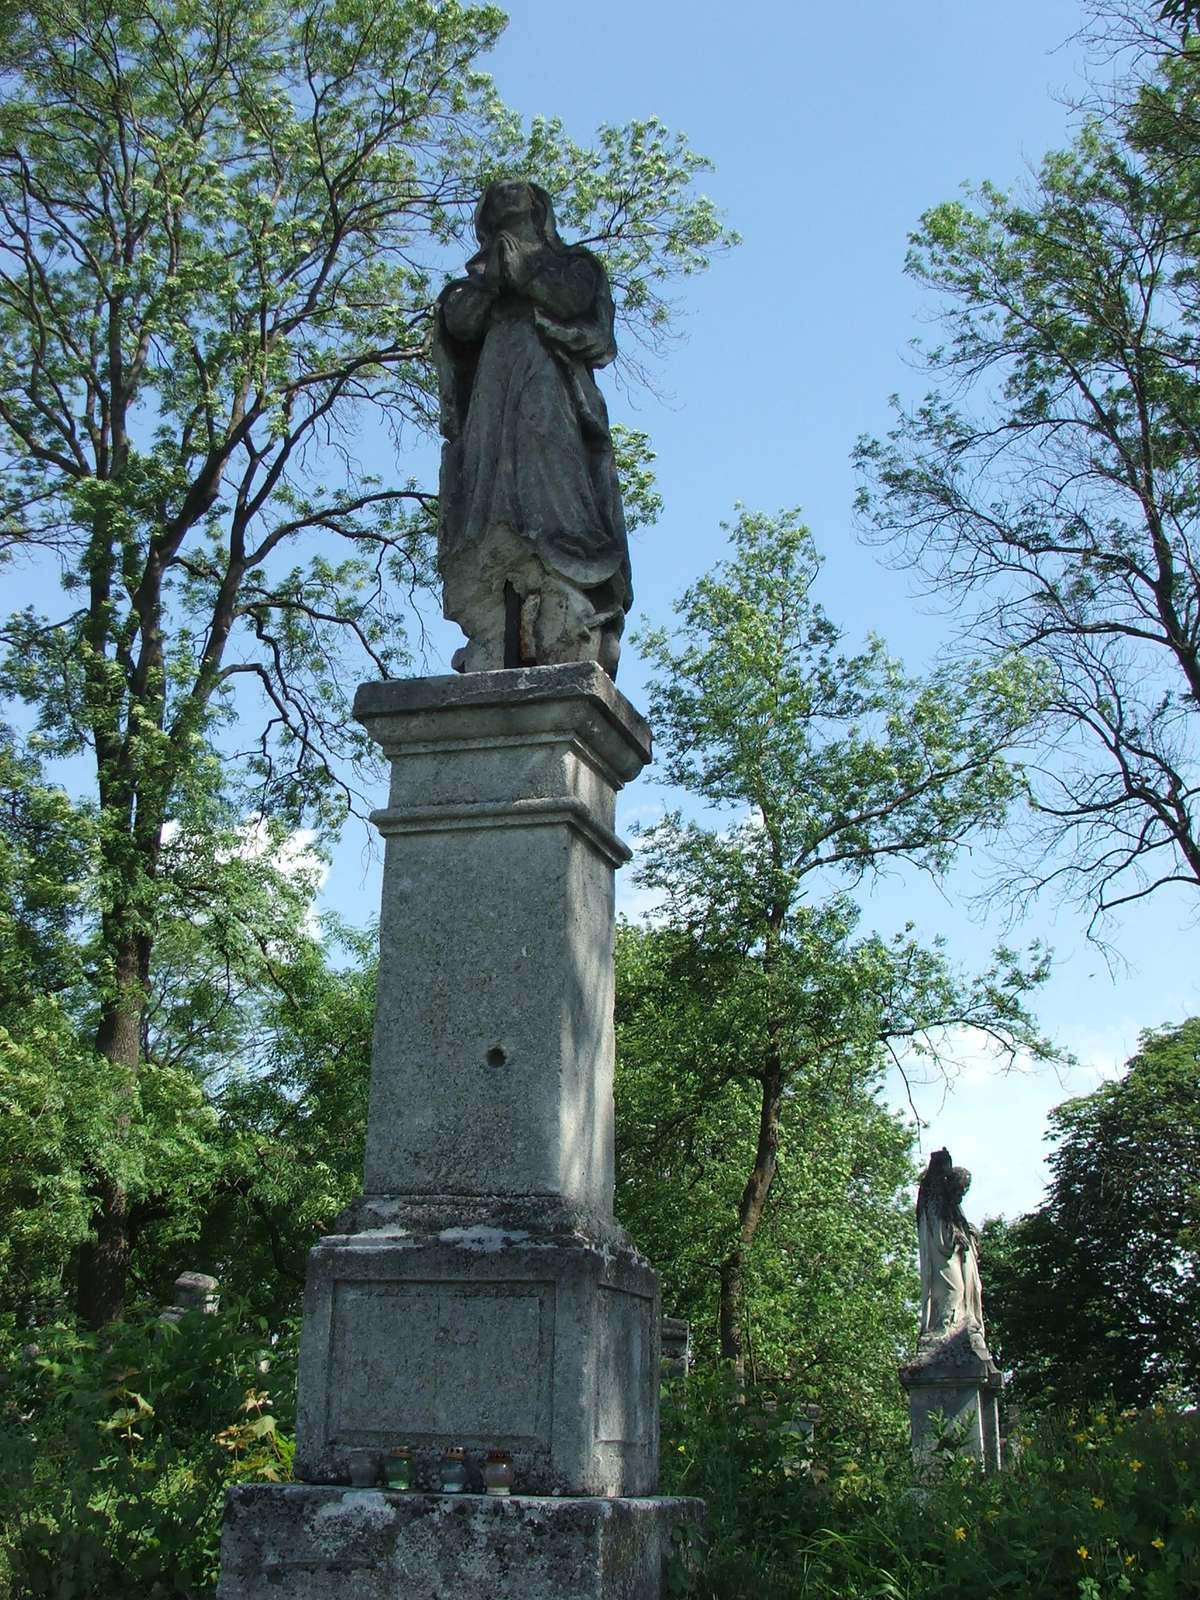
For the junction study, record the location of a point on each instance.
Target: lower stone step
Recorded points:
(312, 1542)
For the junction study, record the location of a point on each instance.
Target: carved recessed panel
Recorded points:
(623, 1359)
(429, 1361)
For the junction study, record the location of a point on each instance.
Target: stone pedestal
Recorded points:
(488, 1337)
(308, 1543)
(955, 1375)
(480, 1294)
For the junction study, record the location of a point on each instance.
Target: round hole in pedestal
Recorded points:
(496, 1056)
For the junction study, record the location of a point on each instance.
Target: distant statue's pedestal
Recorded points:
(480, 1294)
(956, 1376)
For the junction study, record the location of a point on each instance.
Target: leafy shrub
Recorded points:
(1094, 1508)
(116, 1449)
(770, 1486)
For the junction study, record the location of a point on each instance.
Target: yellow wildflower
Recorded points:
(960, 1533)
(1101, 1419)
(1157, 1543)
(1081, 1438)
(1082, 1552)
(1135, 1465)
(1098, 1501)
(1131, 1561)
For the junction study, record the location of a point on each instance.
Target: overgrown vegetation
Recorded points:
(115, 1454)
(1093, 1506)
(116, 1450)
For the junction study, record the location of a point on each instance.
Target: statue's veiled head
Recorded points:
(943, 1185)
(507, 200)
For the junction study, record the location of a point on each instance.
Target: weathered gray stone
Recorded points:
(676, 1347)
(493, 1053)
(294, 1542)
(949, 1377)
(951, 1293)
(539, 1344)
(480, 1293)
(194, 1291)
(531, 538)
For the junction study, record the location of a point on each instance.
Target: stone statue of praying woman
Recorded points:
(532, 549)
(951, 1293)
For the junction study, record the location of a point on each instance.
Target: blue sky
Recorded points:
(831, 129)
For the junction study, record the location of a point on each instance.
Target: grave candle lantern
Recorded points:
(454, 1470)
(399, 1469)
(498, 1472)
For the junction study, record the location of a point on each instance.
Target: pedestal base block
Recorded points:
(956, 1377)
(484, 1337)
(302, 1542)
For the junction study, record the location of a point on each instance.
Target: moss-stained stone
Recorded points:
(307, 1542)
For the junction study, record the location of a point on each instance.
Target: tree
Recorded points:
(222, 228)
(235, 943)
(1096, 1294)
(1048, 490)
(45, 1124)
(293, 1120)
(1181, 14)
(827, 1296)
(819, 765)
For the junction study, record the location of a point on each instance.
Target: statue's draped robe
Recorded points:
(951, 1293)
(528, 450)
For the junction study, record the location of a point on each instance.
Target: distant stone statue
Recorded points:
(532, 548)
(951, 1294)
(953, 1375)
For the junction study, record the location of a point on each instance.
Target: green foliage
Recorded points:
(115, 1453)
(246, 1120)
(1097, 1293)
(237, 961)
(1048, 487)
(754, 1018)
(49, 1115)
(828, 1290)
(1094, 1507)
(842, 758)
(772, 1472)
(293, 1119)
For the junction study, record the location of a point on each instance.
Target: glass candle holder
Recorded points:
(399, 1469)
(454, 1470)
(498, 1472)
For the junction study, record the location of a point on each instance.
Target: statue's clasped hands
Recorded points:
(506, 266)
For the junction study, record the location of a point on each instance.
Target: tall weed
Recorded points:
(115, 1451)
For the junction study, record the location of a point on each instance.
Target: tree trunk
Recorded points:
(750, 1213)
(104, 1260)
